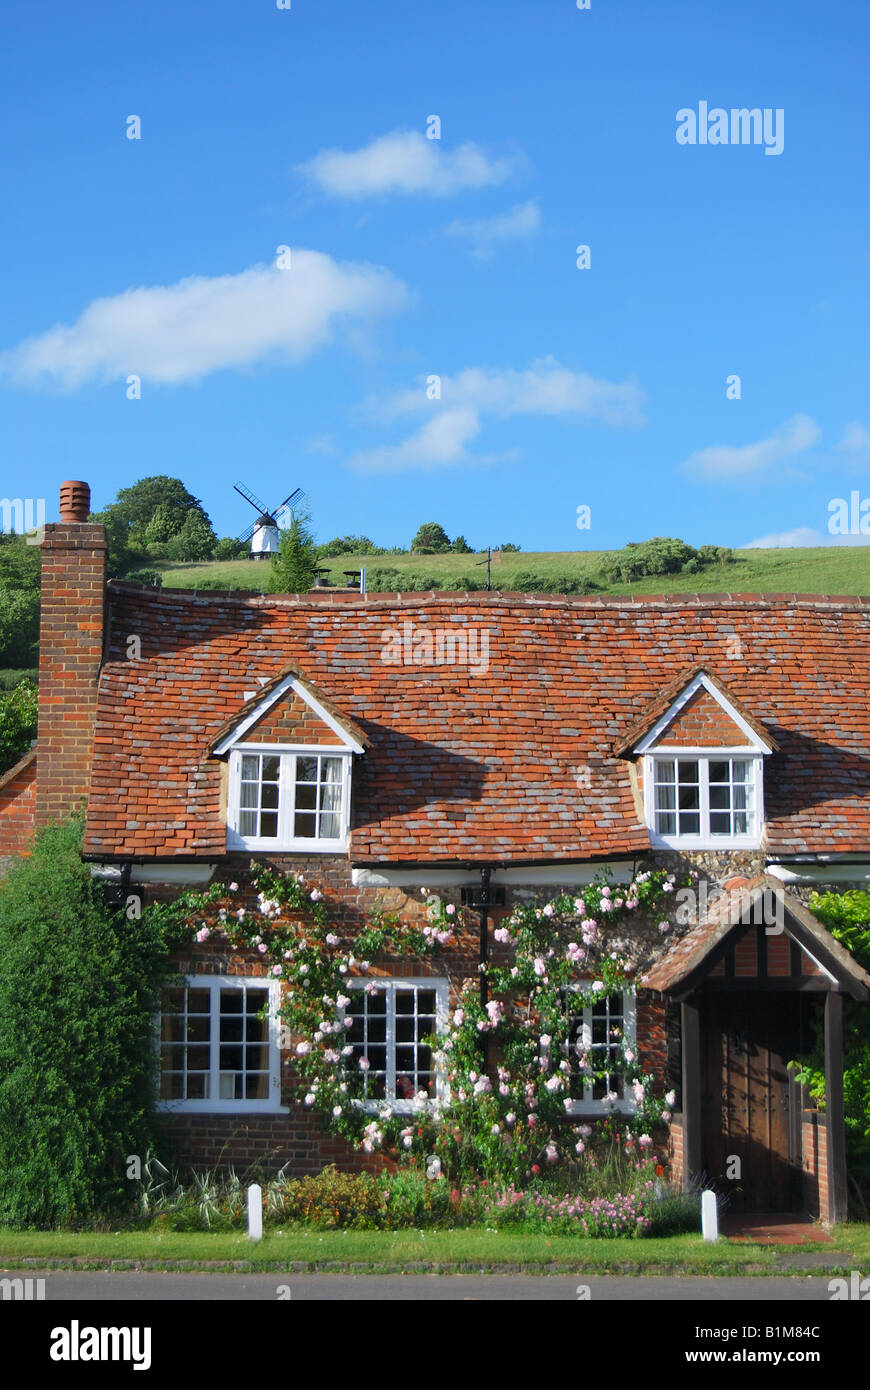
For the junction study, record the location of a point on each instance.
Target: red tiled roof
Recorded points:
(512, 763)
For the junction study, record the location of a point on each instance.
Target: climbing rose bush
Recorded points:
(514, 1068)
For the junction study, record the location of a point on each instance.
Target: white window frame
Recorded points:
(286, 840)
(704, 840)
(441, 987)
(626, 1103)
(214, 1104)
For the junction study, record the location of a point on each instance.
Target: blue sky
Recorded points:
(413, 258)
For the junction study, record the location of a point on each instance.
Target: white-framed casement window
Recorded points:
(597, 1038)
(219, 1044)
(704, 799)
(295, 798)
(390, 1025)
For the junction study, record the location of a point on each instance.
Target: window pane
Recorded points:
(304, 826)
(306, 798)
(250, 768)
(688, 772)
(248, 823)
(269, 825)
(665, 771)
(720, 798)
(720, 823)
(306, 769)
(330, 770)
(740, 770)
(666, 798)
(690, 823)
(718, 772)
(666, 822)
(690, 798)
(270, 769)
(330, 826)
(270, 796)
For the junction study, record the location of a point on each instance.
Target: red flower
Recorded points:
(535, 1168)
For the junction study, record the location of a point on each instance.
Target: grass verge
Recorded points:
(462, 1251)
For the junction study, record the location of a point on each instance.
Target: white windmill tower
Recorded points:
(264, 533)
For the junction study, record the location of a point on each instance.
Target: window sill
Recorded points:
(237, 842)
(227, 1107)
(705, 843)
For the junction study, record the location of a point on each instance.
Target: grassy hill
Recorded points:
(826, 570)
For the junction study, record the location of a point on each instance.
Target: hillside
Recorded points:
(825, 570)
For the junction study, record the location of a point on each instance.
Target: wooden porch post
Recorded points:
(690, 1025)
(834, 1117)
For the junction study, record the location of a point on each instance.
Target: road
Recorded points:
(85, 1286)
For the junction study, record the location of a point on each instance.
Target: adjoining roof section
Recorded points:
(289, 679)
(691, 958)
(647, 730)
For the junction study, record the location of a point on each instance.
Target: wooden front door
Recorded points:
(747, 1040)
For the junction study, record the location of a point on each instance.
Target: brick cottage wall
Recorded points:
(298, 1139)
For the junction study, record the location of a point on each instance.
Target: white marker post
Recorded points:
(255, 1212)
(709, 1216)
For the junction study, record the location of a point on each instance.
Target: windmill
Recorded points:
(263, 533)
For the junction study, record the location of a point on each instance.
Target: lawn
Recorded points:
(388, 1252)
(824, 570)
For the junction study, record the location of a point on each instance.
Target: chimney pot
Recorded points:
(75, 502)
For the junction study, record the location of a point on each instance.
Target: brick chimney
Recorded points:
(70, 653)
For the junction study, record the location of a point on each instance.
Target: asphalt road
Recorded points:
(85, 1286)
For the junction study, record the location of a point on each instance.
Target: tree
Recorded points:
(293, 568)
(166, 522)
(228, 548)
(461, 547)
(348, 545)
(79, 989)
(509, 548)
(136, 505)
(430, 537)
(195, 541)
(17, 723)
(19, 602)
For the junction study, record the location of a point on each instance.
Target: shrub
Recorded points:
(79, 987)
(847, 917)
(335, 1199)
(526, 581)
(153, 578)
(18, 710)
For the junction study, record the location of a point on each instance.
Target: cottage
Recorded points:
(726, 734)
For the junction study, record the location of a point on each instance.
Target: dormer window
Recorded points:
(281, 798)
(707, 798)
(702, 758)
(290, 756)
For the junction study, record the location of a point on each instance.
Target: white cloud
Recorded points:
(486, 233)
(792, 437)
(439, 443)
(856, 439)
(544, 388)
(404, 162)
(172, 333)
(802, 536)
